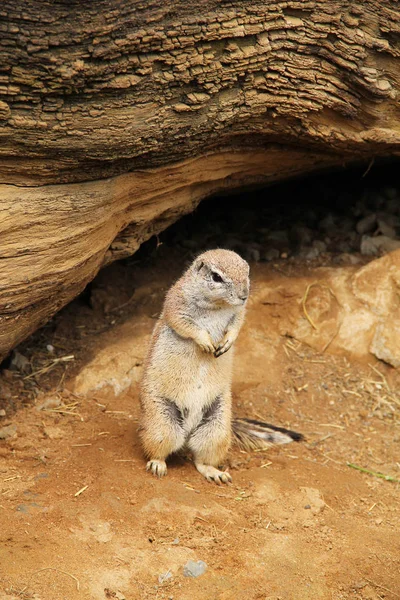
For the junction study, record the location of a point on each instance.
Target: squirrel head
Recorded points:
(220, 278)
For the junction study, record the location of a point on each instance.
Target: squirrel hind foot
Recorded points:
(157, 467)
(213, 475)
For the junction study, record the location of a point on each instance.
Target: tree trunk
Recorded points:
(120, 116)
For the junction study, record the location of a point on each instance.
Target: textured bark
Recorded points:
(170, 102)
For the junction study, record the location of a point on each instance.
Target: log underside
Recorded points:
(119, 118)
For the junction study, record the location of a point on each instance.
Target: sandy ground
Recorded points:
(81, 519)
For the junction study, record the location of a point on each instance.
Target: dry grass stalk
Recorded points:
(374, 473)
(51, 365)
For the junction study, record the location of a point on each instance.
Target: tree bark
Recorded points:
(117, 117)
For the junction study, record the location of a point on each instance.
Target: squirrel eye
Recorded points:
(217, 278)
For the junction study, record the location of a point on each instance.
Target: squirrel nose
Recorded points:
(243, 298)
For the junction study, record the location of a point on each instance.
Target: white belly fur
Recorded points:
(198, 378)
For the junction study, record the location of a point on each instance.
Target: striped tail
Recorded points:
(255, 435)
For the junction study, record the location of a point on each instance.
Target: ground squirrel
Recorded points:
(185, 392)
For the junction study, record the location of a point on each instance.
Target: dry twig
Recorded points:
(58, 571)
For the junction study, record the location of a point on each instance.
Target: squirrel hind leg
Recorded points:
(210, 440)
(161, 434)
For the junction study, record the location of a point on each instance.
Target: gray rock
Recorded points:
(354, 240)
(343, 246)
(271, 254)
(320, 245)
(309, 253)
(252, 253)
(366, 224)
(8, 431)
(20, 363)
(194, 569)
(386, 228)
(375, 246)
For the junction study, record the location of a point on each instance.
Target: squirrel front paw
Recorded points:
(205, 342)
(224, 345)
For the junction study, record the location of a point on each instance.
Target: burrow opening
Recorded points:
(333, 219)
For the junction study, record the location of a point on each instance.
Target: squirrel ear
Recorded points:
(199, 266)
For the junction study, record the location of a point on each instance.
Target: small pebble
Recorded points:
(194, 569)
(50, 348)
(49, 403)
(164, 577)
(53, 433)
(2, 412)
(8, 431)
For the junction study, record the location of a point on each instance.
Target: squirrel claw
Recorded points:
(206, 344)
(157, 467)
(213, 475)
(222, 348)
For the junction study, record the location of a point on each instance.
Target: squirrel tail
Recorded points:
(256, 435)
